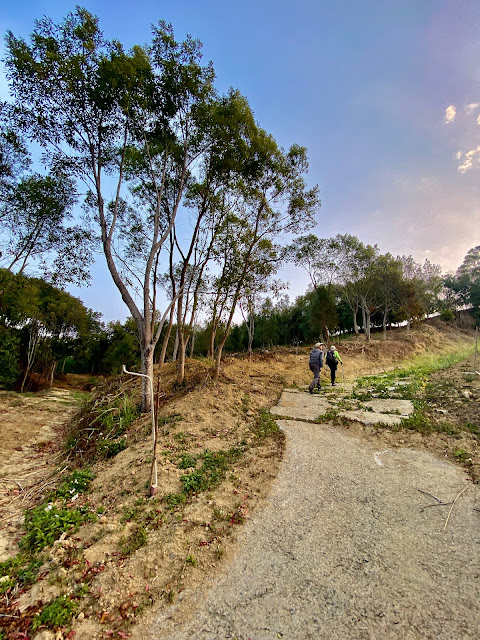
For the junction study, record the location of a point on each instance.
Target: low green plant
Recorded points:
(134, 541)
(462, 456)
(186, 461)
(191, 560)
(265, 425)
(212, 471)
(56, 614)
(46, 523)
(174, 499)
(78, 482)
(109, 448)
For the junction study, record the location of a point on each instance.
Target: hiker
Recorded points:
(315, 364)
(332, 360)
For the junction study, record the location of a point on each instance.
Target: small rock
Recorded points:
(81, 616)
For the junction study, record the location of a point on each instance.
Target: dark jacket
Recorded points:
(316, 357)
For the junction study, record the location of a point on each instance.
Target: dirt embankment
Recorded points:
(143, 552)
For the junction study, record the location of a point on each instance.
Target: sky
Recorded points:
(384, 94)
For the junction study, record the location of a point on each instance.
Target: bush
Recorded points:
(447, 315)
(9, 358)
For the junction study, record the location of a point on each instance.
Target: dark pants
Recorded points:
(315, 369)
(333, 370)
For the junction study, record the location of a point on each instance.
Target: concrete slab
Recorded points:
(391, 405)
(371, 417)
(300, 406)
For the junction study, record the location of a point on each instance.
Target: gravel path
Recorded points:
(345, 549)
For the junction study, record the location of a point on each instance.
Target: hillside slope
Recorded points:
(141, 552)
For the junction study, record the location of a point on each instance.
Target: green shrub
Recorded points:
(109, 449)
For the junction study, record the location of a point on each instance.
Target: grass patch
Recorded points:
(213, 469)
(97, 429)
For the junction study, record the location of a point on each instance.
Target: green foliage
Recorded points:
(9, 357)
(45, 524)
(447, 315)
(97, 429)
(109, 448)
(56, 614)
(134, 541)
(187, 461)
(77, 483)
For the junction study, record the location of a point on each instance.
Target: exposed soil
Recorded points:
(141, 553)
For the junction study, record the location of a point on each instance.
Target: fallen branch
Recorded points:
(451, 508)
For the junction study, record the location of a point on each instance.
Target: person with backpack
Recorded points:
(316, 363)
(332, 360)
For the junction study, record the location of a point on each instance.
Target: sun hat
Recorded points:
(332, 348)
(318, 344)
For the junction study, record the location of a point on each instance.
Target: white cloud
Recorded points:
(458, 155)
(450, 113)
(472, 158)
(472, 106)
(478, 120)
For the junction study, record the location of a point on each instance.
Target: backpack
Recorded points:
(331, 358)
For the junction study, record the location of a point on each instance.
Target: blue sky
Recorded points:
(384, 94)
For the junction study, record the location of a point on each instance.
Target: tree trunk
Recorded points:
(355, 325)
(147, 369)
(408, 325)
(166, 340)
(175, 347)
(385, 313)
(52, 372)
(367, 324)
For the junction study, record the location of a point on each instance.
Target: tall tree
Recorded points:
(114, 119)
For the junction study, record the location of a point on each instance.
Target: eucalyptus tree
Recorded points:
(115, 119)
(421, 290)
(272, 199)
(35, 235)
(467, 280)
(326, 260)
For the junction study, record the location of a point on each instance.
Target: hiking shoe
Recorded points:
(310, 389)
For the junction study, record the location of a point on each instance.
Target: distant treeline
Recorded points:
(45, 331)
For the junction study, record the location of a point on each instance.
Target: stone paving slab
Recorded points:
(371, 417)
(391, 405)
(300, 405)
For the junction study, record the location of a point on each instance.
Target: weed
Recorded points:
(187, 461)
(134, 541)
(45, 524)
(265, 425)
(330, 414)
(129, 514)
(212, 471)
(171, 595)
(191, 560)
(245, 405)
(473, 428)
(462, 456)
(77, 483)
(174, 499)
(109, 449)
(56, 614)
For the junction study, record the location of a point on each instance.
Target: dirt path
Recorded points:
(30, 441)
(352, 543)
